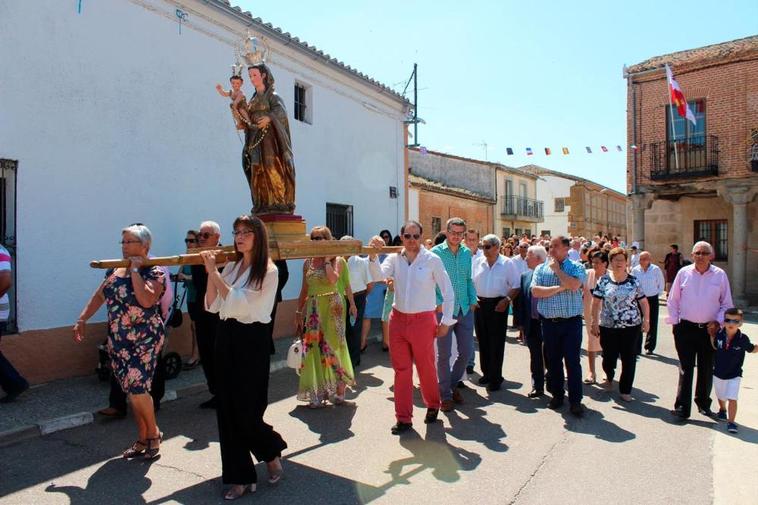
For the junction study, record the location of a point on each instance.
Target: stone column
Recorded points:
(640, 203)
(739, 197)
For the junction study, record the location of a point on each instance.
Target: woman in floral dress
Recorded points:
(326, 370)
(136, 332)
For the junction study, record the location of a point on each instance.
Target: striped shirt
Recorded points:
(651, 280)
(566, 303)
(5, 265)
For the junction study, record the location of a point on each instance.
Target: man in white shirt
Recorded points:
(497, 283)
(652, 283)
(574, 253)
(634, 259)
(415, 273)
(360, 277)
(519, 261)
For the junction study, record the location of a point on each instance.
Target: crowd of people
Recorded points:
(435, 298)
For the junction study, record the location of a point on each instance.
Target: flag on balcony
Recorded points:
(589, 151)
(677, 98)
(509, 151)
(547, 151)
(604, 149)
(565, 150)
(529, 151)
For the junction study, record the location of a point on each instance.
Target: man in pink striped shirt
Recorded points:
(698, 298)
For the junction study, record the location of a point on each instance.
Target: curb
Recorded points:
(70, 421)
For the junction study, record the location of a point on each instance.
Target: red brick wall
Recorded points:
(731, 102)
(477, 215)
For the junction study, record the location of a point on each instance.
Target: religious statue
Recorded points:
(239, 102)
(267, 154)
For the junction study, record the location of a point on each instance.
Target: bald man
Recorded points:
(652, 282)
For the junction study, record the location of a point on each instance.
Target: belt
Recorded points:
(558, 319)
(691, 323)
(362, 291)
(485, 299)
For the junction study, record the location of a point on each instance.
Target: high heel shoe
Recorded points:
(135, 450)
(275, 475)
(363, 348)
(153, 452)
(237, 491)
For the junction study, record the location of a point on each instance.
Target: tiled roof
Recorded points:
(538, 170)
(497, 166)
(425, 183)
(286, 38)
(734, 49)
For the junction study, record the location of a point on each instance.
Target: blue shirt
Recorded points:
(729, 358)
(566, 303)
(458, 267)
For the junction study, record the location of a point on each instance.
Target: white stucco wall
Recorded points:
(113, 117)
(549, 188)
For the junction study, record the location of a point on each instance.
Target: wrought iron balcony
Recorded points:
(684, 159)
(519, 207)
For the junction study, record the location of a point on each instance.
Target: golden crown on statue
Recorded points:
(251, 52)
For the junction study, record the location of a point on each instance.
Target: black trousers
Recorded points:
(353, 332)
(620, 342)
(10, 380)
(242, 365)
(517, 310)
(205, 330)
(693, 346)
(117, 398)
(536, 355)
(491, 329)
(652, 336)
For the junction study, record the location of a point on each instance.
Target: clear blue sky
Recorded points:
(513, 74)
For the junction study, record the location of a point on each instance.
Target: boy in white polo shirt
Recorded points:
(731, 345)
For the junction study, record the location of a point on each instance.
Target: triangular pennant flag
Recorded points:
(529, 151)
(509, 151)
(547, 151)
(589, 151)
(565, 150)
(604, 149)
(618, 148)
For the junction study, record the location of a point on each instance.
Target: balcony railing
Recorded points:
(682, 159)
(520, 207)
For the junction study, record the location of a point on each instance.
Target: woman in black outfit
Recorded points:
(243, 295)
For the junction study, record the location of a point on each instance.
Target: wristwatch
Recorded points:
(135, 270)
(508, 298)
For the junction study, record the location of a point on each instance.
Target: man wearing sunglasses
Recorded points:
(699, 296)
(206, 322)
(416, 273)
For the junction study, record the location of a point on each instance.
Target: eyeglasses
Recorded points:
(701, 253)
(487, 247)
(318, 237)
(190, 241)
(732, 321)
(204, 235)
(414, 236)
(242, 232)
(130, 242)
(455, 233)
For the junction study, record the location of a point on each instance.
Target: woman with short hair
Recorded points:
(136, 332)
(599, 261)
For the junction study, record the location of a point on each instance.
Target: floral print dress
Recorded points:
(136, 334)
(326, 361)
(620, 301)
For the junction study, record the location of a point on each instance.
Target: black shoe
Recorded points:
(483, 380)
(577, 409)
(11, 397)
(210, 404)
(555, 403)
(385, 349)
(536, 393)
(706, 412)
(461, 385)
(401, 428)
(679, 415)
(431, 416)
(648, 352)
(469, 370)
(495, 386)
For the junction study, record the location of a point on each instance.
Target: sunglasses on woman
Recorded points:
(190, 241)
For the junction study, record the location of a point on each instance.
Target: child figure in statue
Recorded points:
(239, 102)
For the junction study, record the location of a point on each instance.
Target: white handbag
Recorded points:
(295, 355)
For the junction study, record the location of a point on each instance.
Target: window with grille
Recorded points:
(339, 219)
(716, 233)
(436, 226)
(302, 105)
(560, 204)
(506, 232)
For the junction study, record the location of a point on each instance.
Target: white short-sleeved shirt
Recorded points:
(496, 280)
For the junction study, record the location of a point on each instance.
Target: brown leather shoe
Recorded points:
(447, 406)
(457, 396)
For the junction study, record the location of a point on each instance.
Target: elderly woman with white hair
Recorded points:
(136, 332)
(496, 280)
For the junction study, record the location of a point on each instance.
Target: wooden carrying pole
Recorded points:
(278, 251)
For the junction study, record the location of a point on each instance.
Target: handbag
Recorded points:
(295, 355)
(176, 317)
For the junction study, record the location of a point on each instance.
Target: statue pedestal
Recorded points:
(285, 227)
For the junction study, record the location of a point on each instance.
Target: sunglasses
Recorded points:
(318, 237)
(123, 242)
(700, 253)
(190, 240)
(732, 321)
(414, 236)
(204, 235)
(487, 247)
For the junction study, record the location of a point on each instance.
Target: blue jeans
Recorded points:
(464, 338)
(562, 340)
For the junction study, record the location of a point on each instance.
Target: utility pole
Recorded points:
(415, 119)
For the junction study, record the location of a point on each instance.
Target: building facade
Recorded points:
(129, 128)
(578, 207)
(690, 182)
(442, 186)
(519, 209)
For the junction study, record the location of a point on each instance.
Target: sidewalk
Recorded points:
(67, 403)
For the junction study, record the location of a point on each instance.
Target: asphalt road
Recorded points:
(497, 448)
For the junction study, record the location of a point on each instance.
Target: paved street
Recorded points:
(497, 448)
